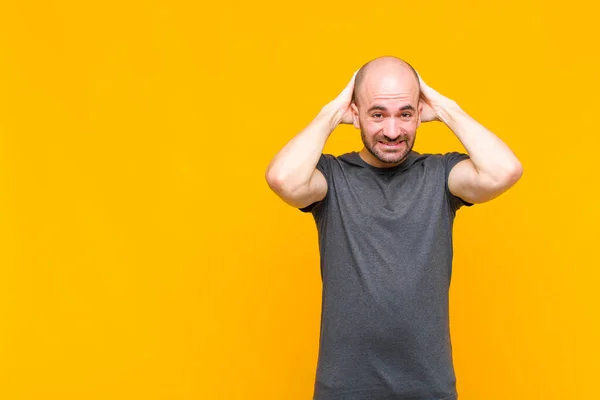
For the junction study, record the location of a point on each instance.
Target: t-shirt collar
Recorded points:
(354, 158)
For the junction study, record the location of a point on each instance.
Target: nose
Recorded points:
(392, 129)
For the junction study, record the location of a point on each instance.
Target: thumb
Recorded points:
(422, 82)
(350, 84)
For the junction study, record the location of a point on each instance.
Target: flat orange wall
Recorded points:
(142, 255)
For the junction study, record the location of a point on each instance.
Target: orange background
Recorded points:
(143, 256)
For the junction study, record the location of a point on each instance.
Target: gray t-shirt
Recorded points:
(385, 240)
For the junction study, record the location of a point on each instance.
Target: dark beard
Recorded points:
(398, 158)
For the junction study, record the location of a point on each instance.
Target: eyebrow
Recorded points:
(382, 108)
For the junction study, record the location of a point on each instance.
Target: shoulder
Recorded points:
(343, 161)
(425, 160)
(446, 160)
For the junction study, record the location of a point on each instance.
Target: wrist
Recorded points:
(446, 109)
(330, 115)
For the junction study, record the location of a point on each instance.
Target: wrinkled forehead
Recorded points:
(388, 85)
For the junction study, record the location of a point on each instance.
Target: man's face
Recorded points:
(388, 114)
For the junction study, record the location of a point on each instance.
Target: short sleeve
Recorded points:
(323, 165)
(450, 160)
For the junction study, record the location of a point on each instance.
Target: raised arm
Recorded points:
(492, 169)
(292, 173)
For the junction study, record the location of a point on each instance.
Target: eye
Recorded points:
(406, 115)
(377, 115)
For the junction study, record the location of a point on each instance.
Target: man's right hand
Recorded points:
(340, 106)
(292, 173)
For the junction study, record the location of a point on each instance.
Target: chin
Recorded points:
(390, 157)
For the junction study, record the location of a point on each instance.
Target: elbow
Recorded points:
(509, 177)
(514, 173)
(280, 183)
(273, 179)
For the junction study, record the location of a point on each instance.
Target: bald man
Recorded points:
(384, 216)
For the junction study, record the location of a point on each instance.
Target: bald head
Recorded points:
(380, 68)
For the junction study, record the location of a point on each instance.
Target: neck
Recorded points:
(370, 159)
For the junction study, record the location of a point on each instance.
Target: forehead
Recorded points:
(389, 88)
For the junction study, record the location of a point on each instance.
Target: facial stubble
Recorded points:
(399, 158)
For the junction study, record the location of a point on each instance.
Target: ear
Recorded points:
(420, 107)
(355, 120)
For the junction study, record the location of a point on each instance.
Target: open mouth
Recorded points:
(392, 145)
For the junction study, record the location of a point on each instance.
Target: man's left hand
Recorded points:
(431, 101)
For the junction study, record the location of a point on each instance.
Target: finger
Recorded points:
(419, 76)
(349, 89)
(422, 82)
(351, 83)
(426, 90)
